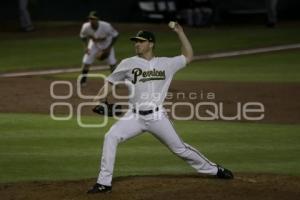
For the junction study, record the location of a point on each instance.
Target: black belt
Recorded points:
(145, 112)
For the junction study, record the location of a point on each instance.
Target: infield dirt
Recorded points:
(243, 187)
(281, 101)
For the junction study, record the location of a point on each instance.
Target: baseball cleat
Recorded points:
(224, 173)
(98, 188)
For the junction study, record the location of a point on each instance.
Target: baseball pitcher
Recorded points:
(149, 75)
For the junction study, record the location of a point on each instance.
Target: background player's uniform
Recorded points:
(150, 78)
(100, 39)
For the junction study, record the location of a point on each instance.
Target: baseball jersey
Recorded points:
(103, 35)
(150, 79)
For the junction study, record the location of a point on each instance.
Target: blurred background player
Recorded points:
(271, 6)
(25, 19)
(99, 38)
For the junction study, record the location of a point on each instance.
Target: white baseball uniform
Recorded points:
(149, 78)
(102, 39)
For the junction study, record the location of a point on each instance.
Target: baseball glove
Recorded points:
(107, 109)
(103, 55)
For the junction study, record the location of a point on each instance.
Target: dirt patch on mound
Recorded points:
(185, 187)
(281, 101)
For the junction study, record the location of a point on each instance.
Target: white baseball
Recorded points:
(172, 24)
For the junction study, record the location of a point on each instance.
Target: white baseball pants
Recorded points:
(89, 59)
(162, 129)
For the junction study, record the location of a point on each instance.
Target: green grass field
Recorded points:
(270, 67)
(34, 147)
(32, 53)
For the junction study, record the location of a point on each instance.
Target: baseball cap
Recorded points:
(93, 15)
(144, 35)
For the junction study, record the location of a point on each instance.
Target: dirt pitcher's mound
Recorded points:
(244, 186)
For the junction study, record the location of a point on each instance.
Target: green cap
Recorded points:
(93, 15)
(143, 36)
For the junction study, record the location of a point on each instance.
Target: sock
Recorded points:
(84, 72)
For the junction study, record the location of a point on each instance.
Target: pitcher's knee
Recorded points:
(113, 136)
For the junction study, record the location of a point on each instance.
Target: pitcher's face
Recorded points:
(143, 47)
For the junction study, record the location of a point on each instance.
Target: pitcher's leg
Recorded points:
(119, 132)
(166, 133)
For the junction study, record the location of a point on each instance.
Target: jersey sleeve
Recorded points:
(177, 62)
(113, 32)
(83, 32)
(119, 74)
